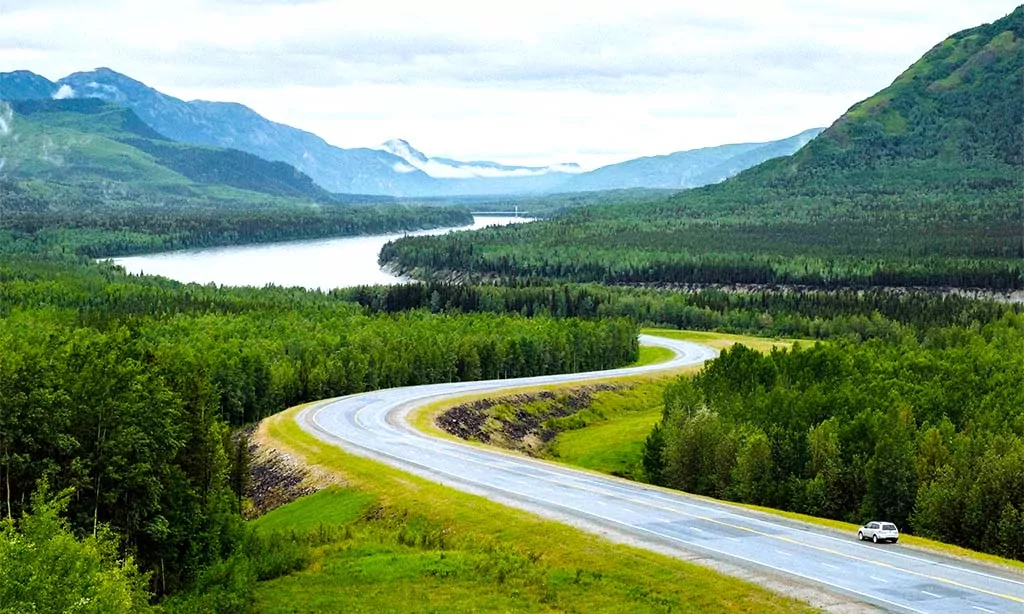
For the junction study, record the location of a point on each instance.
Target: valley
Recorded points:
(303, 411)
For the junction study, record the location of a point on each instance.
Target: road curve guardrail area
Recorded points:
(893, 577)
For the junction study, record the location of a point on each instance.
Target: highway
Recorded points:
(891, 577)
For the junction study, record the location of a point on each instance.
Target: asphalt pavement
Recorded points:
(893, 576)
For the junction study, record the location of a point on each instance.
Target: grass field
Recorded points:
(650, 355)
(415, 546)
(614, 446)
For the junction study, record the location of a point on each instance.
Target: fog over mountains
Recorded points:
(397, 169)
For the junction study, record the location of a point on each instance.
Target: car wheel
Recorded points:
(860, 536)
(896, 541)
(874, 539)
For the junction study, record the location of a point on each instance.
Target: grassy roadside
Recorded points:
(424, 547)
(613, 446)
(650, 355)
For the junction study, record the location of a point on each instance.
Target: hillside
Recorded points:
(917, 185)
(89, 142)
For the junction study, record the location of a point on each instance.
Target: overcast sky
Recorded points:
(592, 82)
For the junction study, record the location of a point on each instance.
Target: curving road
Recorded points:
(892, 577)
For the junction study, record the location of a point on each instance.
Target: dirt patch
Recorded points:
(276, 477)
(522, 422)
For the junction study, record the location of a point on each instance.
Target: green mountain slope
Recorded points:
(962, 101)
(91, 141)
(920, 184)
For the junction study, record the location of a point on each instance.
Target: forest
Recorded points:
(743, 233)
(927, 431)
(124, 391)
(776, 312)
(80, 220)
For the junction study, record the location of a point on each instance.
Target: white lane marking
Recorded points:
(932, 595)
(877, 579)
(783, 552)
(829, 565)
(698, 529)
(978, 607)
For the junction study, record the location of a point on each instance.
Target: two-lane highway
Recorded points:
(893, 577)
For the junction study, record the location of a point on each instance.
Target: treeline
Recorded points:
(924, 432)
(125, 390)
(985, 254)
(876, 313)
(96, 232)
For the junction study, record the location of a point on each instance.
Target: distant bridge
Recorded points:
(485, 213)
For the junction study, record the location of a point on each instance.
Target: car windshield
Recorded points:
(888, 527)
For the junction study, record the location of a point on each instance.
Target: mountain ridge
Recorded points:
(400, 170)
(99, 145)
(689, 168)
(233, 125)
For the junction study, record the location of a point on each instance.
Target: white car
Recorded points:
(879, 532)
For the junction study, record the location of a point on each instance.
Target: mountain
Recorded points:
(399, 169)
(222, 124)
(918, 185)
(25, 85)
(961, 105)
(447, 168)
(687, 169)
(106, 148)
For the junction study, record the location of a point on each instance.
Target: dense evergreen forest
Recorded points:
(30, 223)
(125, 389)
(779, 312)
(926, 431)
(918, 185)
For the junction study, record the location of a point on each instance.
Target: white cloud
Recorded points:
(6, 118)
(535, 83)
(64, 91)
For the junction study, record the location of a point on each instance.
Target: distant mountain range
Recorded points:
(446, 168)
(687, 169)
(398, 169)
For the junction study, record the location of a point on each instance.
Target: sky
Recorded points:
(521, 82)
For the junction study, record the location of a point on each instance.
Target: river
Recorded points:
(340, 262)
